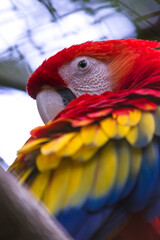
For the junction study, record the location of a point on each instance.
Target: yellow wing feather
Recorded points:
(86, 183)
(32, 145)
(143, 133)
(57, 187)
(57, 144)
(131, 119)
(113, 129)
(70, 149)
(47, 162)
(123, 164)
(107, 170)
(74, 183)
(40, 183)
(85, 153)
(93, 135)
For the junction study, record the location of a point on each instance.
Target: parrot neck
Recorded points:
(143, 71)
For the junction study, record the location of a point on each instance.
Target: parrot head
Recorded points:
(93, 68)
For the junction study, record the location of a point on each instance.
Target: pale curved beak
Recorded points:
(51, 101)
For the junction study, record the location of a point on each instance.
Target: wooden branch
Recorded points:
(22, 218)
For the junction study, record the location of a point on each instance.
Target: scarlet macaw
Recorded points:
(96, 165)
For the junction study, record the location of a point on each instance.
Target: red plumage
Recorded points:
(138, 229)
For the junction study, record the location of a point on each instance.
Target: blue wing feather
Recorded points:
(147, 179)
(81, 223)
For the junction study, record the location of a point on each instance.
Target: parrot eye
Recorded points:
(83, 64)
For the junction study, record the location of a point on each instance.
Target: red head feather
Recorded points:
(133, 63)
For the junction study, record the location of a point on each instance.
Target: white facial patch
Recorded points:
(86, 75)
